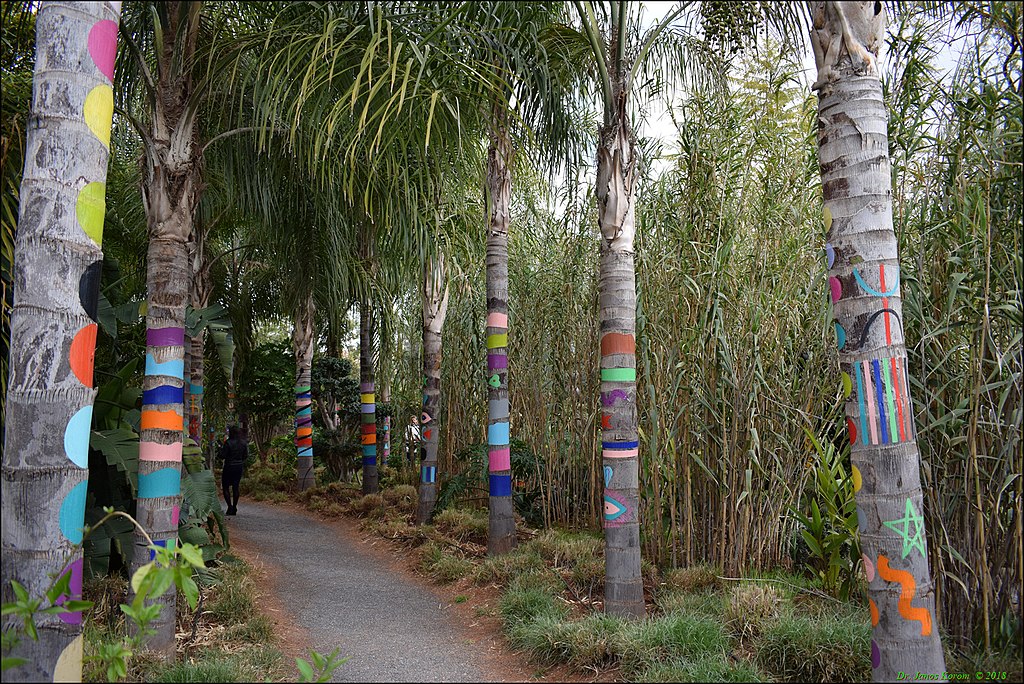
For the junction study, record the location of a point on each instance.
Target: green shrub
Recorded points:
(709, 669)
(593, 642)
(209, 669)
(671, 637)
(521, 605)
(256, 630)
(799, 649)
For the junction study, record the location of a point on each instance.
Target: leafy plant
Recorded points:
(171, 565)
(322, 667)
(830, 528)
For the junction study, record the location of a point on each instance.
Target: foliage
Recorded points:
(266, 391)
(470, 482)
(172, 565)
(322, 668)
(799, 649)
(830, 529)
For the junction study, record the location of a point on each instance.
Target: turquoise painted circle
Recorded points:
(72, 513)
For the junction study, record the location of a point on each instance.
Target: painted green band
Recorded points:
(618, 374)
(497, 341)
(302, 388)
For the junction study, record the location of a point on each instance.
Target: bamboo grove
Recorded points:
(668, 337)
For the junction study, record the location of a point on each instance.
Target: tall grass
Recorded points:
(736, 356)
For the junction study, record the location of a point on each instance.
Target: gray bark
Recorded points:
(863, 268)
(170, 193)
(302, 346)
(53, 331)
(367, 402)
(435, 307)
(616, 175)
(501, 528)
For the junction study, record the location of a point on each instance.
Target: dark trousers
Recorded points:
(231, 478)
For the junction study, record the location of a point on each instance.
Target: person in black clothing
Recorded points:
(233, 452)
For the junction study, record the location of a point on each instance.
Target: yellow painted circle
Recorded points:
(847, 385)
(828, 218)
(99, 112)
(69, 664)
(90, 208)
(857, 482)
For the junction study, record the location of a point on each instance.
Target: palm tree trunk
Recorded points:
(160, 439)
(170, 193)
(53, 329)
(435, 307)
(501, 528)
(302, 345)
(616, 174)
(368, 410)
(864, 271)
(385, 451)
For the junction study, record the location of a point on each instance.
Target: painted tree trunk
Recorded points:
(385, 428)
(864, 281)
(616, 175)
(501, 528)
(53, 324)
(170, 193)
(302, 346)
(435, 307)
(162, 423)
(367, 405)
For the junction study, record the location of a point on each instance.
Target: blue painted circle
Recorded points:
(76, 437)
(72, 513)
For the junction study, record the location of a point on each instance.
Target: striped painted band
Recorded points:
(165, 337)
(618, 374)
(619, 453)
(500, 485)
(164, 394)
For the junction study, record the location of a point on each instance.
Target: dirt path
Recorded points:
(329, 588)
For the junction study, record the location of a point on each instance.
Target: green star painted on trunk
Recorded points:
(902, 528)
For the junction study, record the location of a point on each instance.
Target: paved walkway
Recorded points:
(394, 630)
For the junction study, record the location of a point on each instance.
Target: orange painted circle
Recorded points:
(83, 354)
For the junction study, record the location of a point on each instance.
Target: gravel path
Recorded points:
(394, 630)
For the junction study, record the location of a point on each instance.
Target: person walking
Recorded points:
(234, 453)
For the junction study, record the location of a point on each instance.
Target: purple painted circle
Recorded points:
(876, 655)
(836, 287)
(830, 254)
(75, 568)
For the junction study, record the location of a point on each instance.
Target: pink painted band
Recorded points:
(151, 451)
(303, 402)
(619, 453)
(497, 320)
(500, 459)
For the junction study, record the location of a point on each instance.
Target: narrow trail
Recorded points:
(334, 591)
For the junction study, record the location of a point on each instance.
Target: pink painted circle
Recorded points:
(103, 46)
(836, 287)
